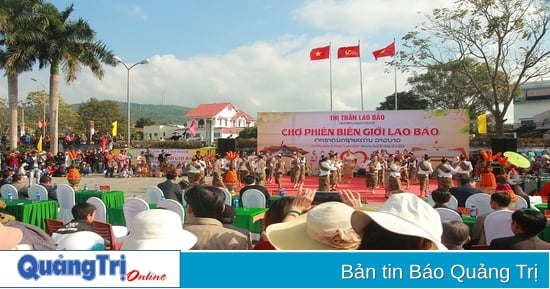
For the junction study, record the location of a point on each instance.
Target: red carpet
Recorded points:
(356, 185)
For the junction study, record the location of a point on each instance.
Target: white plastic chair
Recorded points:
(132, 207)
(66, 201)
(35, 189)
(453, 202)
(521, 203)
(253, 198)
(120, 232)
(227, 196)
(153, 195)
(497, 225)
(482, 202)
(173, 206)
(447, 215)
(7, 188)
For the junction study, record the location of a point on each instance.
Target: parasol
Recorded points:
(517, 159)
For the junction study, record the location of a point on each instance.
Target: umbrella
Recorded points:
(517, 160)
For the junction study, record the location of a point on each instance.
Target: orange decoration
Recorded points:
(74, 173)
(231, 155)
(231, 177)
(73, 155)
(73, 177)
(502, 160)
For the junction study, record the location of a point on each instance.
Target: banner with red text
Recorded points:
(438, 133)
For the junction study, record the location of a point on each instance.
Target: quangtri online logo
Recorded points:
(29, 267)
(79, 268)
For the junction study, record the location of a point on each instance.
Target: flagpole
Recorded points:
(330, 75)
(395, 74)
(360, 73)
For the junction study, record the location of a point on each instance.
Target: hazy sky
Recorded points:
(254, 54)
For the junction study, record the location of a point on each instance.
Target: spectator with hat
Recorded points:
(158, 229)
(325, 227)
(10, 238)
(403, 222)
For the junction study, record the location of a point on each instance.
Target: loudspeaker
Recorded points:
(504, 144)
(226, 145)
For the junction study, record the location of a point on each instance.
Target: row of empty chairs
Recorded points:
(33, 190)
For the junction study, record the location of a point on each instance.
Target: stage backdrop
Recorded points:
(437, 133)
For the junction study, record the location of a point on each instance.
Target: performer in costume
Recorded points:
(424, 171)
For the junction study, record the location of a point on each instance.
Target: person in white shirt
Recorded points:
(423, 173)
(394, 183)
(324, 173)
(463, 167)
(445, 174)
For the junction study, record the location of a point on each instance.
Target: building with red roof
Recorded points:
(218, 120)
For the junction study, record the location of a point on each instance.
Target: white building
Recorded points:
(218, 120)
(162, 132)
(532, 108)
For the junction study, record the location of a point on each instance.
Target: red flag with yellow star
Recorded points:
(319, 53)
(386, 51)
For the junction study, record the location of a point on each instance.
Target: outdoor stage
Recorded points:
(356, 184)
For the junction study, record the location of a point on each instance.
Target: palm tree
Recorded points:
(67, 45)
(18, 26)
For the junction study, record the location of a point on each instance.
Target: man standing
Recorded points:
(149, 158)
(163, 160)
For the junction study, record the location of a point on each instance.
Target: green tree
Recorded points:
(405, 101)
(103, 113)
(34, 109)
(446, 87)
(144, 121)
(67, 45)
(507, 39)
(249, 132)
(18, 29)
